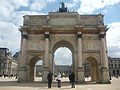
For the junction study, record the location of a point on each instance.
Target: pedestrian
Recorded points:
(58, 79)
(49, 77)
(72, 79)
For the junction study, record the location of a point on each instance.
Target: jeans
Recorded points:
(73, 84)
(49, 84)
(59, 83)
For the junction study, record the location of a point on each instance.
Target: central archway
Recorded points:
(62, 62)
(67, 45)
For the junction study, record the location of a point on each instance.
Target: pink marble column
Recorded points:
(22, 74)
(46, 61)
(79, 61)
(104, 70)
(104, 57)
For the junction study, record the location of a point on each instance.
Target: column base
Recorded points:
(80, 77)
(22, 75)
(104, 78)
(45, 73)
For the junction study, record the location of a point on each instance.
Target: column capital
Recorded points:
(79, 34)
(47, 35)
(102, 35)
(24, 36)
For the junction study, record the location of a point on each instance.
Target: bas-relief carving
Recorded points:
(86, 20)
(90, 37)
(62, 21)
(90, 45)
(90, 42)
(37, 21)
(36, 42)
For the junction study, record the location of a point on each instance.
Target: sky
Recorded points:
(12, 12)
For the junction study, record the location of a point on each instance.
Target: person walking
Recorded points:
(49, 77)
(72, 79)
(58, 79)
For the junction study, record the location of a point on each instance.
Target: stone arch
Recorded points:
(69, 45)
(63, 43)
(32, 63)
(91, 64)
(94, 55)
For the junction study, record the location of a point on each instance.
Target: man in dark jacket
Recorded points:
(49, 77)
(72, 79)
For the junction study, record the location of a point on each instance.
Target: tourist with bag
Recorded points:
(58, 79)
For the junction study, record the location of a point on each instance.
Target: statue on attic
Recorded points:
(62, 8)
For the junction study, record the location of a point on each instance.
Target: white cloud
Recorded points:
(9, 33)
(89, 6)
(9, 36)
(17, 17)
(71, 5)
(8, 7)
(38, 5)
(63, 56)
(113, 39)
(10, 20)
(75, 0)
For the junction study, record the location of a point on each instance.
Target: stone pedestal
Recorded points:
(45, 73)
(81, 75)
(22, 75)
(105, 78)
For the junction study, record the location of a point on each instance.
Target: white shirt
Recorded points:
(58, 77)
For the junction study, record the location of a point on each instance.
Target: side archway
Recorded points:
(32, 68)
(91, 69)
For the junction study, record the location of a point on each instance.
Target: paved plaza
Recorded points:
(11, 84)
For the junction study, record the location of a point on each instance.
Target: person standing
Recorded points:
(72, 79)
(49, 77)
(59, 80)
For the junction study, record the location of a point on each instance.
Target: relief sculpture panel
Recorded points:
(36, 43)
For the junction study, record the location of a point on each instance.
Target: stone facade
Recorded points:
(114, 66)
(84, 35)
(8, 66)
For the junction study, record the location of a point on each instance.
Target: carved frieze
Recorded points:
(90, 37)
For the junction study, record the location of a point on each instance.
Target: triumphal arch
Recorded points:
(84, 35)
